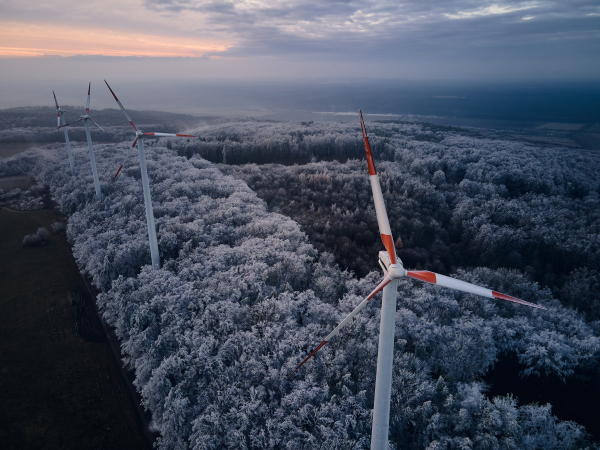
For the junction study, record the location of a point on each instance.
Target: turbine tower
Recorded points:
(60, 116)
(139, 139)
(85, 117)
(394, 270)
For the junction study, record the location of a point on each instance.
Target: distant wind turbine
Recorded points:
(60, 116)
(393, 270)
(85, 117)
(139, 139)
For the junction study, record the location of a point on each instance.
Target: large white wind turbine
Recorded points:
(60, 116)
(394, 270)
(139, 139)
(85, 117)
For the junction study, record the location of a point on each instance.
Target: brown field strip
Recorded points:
(58, 390)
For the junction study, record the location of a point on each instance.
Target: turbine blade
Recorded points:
(453, 283)
(117, 174)
(106, 132)
(67, 124)
(122, 109)
(87, 105)
(124, 160)
(382, 218)
(57, 110)
(344, 322)
(168, 134)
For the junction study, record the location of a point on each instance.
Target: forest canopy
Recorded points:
(244, 293)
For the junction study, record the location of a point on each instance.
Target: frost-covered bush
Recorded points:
(242, 296)
(38, 238)
(58, 227)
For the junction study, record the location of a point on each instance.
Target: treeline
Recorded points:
(463, 201)
(38, 124)
(252, 141)
(261, 142)
(45, 117)
(243, 296)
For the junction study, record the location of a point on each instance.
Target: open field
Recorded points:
(562, 126)
(22, 182)
(12, 148)
(60, 390)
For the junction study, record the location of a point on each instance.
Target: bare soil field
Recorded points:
(552, 141)
(61, 387)
(22, 182)
(562, 126)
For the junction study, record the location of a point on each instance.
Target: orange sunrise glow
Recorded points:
(27, 40)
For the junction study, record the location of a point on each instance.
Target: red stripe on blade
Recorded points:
(117, 174)
(308, 357)
(383, 284)
(422, 275)
(370, 163)
(388, 243)
(184, 135)
(111, 91)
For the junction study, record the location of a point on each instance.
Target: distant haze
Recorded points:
(534, 101)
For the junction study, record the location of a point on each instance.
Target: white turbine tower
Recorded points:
(85, 117)
(139, 139)
(60, 116)
(393, 270)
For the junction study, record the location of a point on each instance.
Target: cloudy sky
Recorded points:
(312, 38)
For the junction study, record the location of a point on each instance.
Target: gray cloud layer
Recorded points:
(380, 38)
(301, 25)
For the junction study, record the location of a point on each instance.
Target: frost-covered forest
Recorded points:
(259, 262)
(38, 124)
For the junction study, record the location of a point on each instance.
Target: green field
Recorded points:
(59, 390)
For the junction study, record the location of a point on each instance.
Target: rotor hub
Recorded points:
(396, 271)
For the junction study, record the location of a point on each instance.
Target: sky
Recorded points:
(414, 39)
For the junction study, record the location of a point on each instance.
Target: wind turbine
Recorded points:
(60, 116)
(85, 117)
(394, 270)
(139, 139)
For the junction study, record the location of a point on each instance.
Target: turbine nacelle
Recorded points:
(84, 116)
(394, 271)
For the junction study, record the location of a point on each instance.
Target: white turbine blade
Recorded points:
(106, 132)
(453, 283)
(87, 105)
(122, 109)
(168, 134)
(57, 110)
(134, 142)
(344, 322)
(382, 218)
(67, 124)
